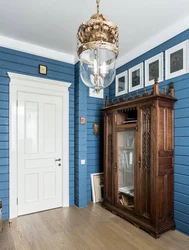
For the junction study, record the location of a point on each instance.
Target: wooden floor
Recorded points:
(87, 228)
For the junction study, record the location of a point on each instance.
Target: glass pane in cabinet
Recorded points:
(126, 169)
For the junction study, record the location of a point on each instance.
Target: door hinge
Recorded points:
(17, 201)
(17, 103)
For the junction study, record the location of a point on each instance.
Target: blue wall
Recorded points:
(23, 63)
(80, 140)
(83, 143)
(83, 105)
(87, 145)
(181, 184)
(94, 143)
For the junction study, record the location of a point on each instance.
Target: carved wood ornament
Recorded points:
(146, 138)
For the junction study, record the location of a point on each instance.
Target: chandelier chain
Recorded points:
(98, 5)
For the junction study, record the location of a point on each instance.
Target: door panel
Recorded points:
(49, 181)
(49, 128)
(39, 144)
(31, 127)
(31, 187)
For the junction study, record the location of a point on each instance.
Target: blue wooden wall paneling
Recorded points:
(24, 63)
(181, 176)
(80, 140)
(94, 143)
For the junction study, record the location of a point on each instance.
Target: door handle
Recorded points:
(58, 159)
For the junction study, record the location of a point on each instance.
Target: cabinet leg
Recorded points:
(173, 228)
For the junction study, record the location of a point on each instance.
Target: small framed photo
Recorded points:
(93, 93)
(136, 77)
(42, 69)
(154, 69)
(121, 84)
(82, 120)
(176, 60)
(97, 182)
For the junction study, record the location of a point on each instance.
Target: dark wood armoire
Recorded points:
(139, 159)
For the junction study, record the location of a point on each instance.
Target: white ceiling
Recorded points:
(53, 23)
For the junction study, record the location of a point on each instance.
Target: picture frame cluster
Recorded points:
(174, 61)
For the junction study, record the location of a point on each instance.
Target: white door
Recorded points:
(39, 152)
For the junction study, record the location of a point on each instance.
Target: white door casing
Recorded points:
(47, 88)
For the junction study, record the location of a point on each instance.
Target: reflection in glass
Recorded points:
(136, 78)
(121, 84)
(176, 61)
(153, 70)
(126, 168)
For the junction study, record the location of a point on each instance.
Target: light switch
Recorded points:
(82, 162)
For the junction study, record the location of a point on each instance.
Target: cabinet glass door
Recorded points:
(125, 150)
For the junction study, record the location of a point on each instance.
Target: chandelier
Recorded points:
(97, 49)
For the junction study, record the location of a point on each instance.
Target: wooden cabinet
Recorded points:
(138, 160)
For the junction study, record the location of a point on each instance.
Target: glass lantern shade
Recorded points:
(97, 67)
(97, 49)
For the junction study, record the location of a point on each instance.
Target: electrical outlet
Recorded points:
(82, 162)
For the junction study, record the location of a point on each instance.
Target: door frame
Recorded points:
(37, 85)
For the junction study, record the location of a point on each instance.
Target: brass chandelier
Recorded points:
(97, 49)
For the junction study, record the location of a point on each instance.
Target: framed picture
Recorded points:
(136, 77)
(176, 60)
(42, 69)
(153, 69)
(93, 93)
(97, 182)
(121, 84)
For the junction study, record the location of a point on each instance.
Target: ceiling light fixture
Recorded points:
(97, 49)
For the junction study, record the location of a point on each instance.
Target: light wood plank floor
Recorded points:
(88, 228)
